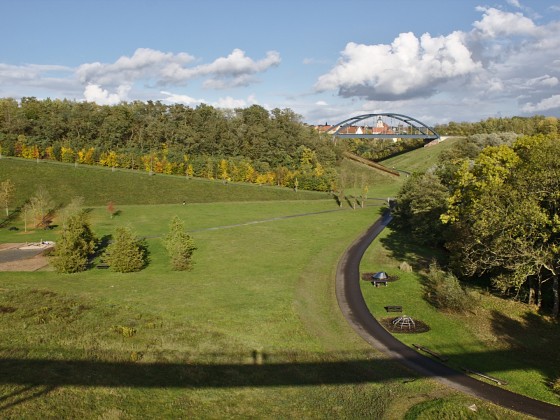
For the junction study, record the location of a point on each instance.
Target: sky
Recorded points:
(434, 60)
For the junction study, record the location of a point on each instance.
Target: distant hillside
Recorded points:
(419, 160)
(100, 185)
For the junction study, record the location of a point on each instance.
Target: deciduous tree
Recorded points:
(7, 191)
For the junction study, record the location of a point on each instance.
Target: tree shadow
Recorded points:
(401, 247)
(102, 245)
(24, 394)
(534, 338)
(12, 217)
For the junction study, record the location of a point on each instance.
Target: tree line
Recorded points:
(250, 144)
(493, 203)
(528, 126)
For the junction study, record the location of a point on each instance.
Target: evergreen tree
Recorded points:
(75, 245)
(179, 245)
(126, 253)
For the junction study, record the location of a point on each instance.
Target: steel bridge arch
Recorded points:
(422, 131)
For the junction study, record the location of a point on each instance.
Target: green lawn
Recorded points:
(253, 331)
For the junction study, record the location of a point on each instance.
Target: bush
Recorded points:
(444, 291)
(179, 245)
(406, 267)
(127, 253)
(74, 246)
(556, 386)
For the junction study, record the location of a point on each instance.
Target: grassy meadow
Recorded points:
(253, 331)
(420, 159)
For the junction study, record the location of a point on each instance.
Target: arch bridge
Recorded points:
(383, 126)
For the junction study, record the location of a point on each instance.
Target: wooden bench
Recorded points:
(376, 283)
(102, 266)
(393, 308)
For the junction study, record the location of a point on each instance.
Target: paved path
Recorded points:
(354, 309)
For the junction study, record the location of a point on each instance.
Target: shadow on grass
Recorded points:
(37, 377)
(533, 338)
(259, 373)
(401, 247)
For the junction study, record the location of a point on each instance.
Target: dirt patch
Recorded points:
(420, 326)
(14, 258)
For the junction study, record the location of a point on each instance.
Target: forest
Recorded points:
(493, 204)
(250, 144)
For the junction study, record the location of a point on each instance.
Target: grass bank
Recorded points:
(99, 185)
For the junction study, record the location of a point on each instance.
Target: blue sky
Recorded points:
(436, 60)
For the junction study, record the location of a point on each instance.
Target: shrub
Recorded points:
(179, 245)
(127, 253)
(406, 267)
(556, 386)
(74, 246)
(444, 291)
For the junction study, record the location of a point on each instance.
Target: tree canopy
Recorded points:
(248, 144)
(501, 218)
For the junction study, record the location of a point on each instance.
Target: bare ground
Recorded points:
(14, 259)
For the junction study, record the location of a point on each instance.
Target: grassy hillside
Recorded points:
(99, 185)
(421, 159)
(253, 331)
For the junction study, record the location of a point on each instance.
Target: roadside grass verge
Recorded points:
(501, 338)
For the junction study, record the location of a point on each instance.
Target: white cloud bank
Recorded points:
(409, 67)
(168, 69)
(505, 57)
(111, 83)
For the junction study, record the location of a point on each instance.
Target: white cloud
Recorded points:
(409, 67)
(497, 23)
(167, 68)
(226, 102)
(552, 102)
(94, 93)
(231, 103)
(232, 71)
(175, 98)
(145, 63)
(506, 60)
(545, 81)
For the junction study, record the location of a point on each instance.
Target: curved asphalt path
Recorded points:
(354, 309)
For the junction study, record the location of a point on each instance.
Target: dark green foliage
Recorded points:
(75, 245)
(444, 291)
(126, 253)
(379, 149)
(179, 245)
(420, 202)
